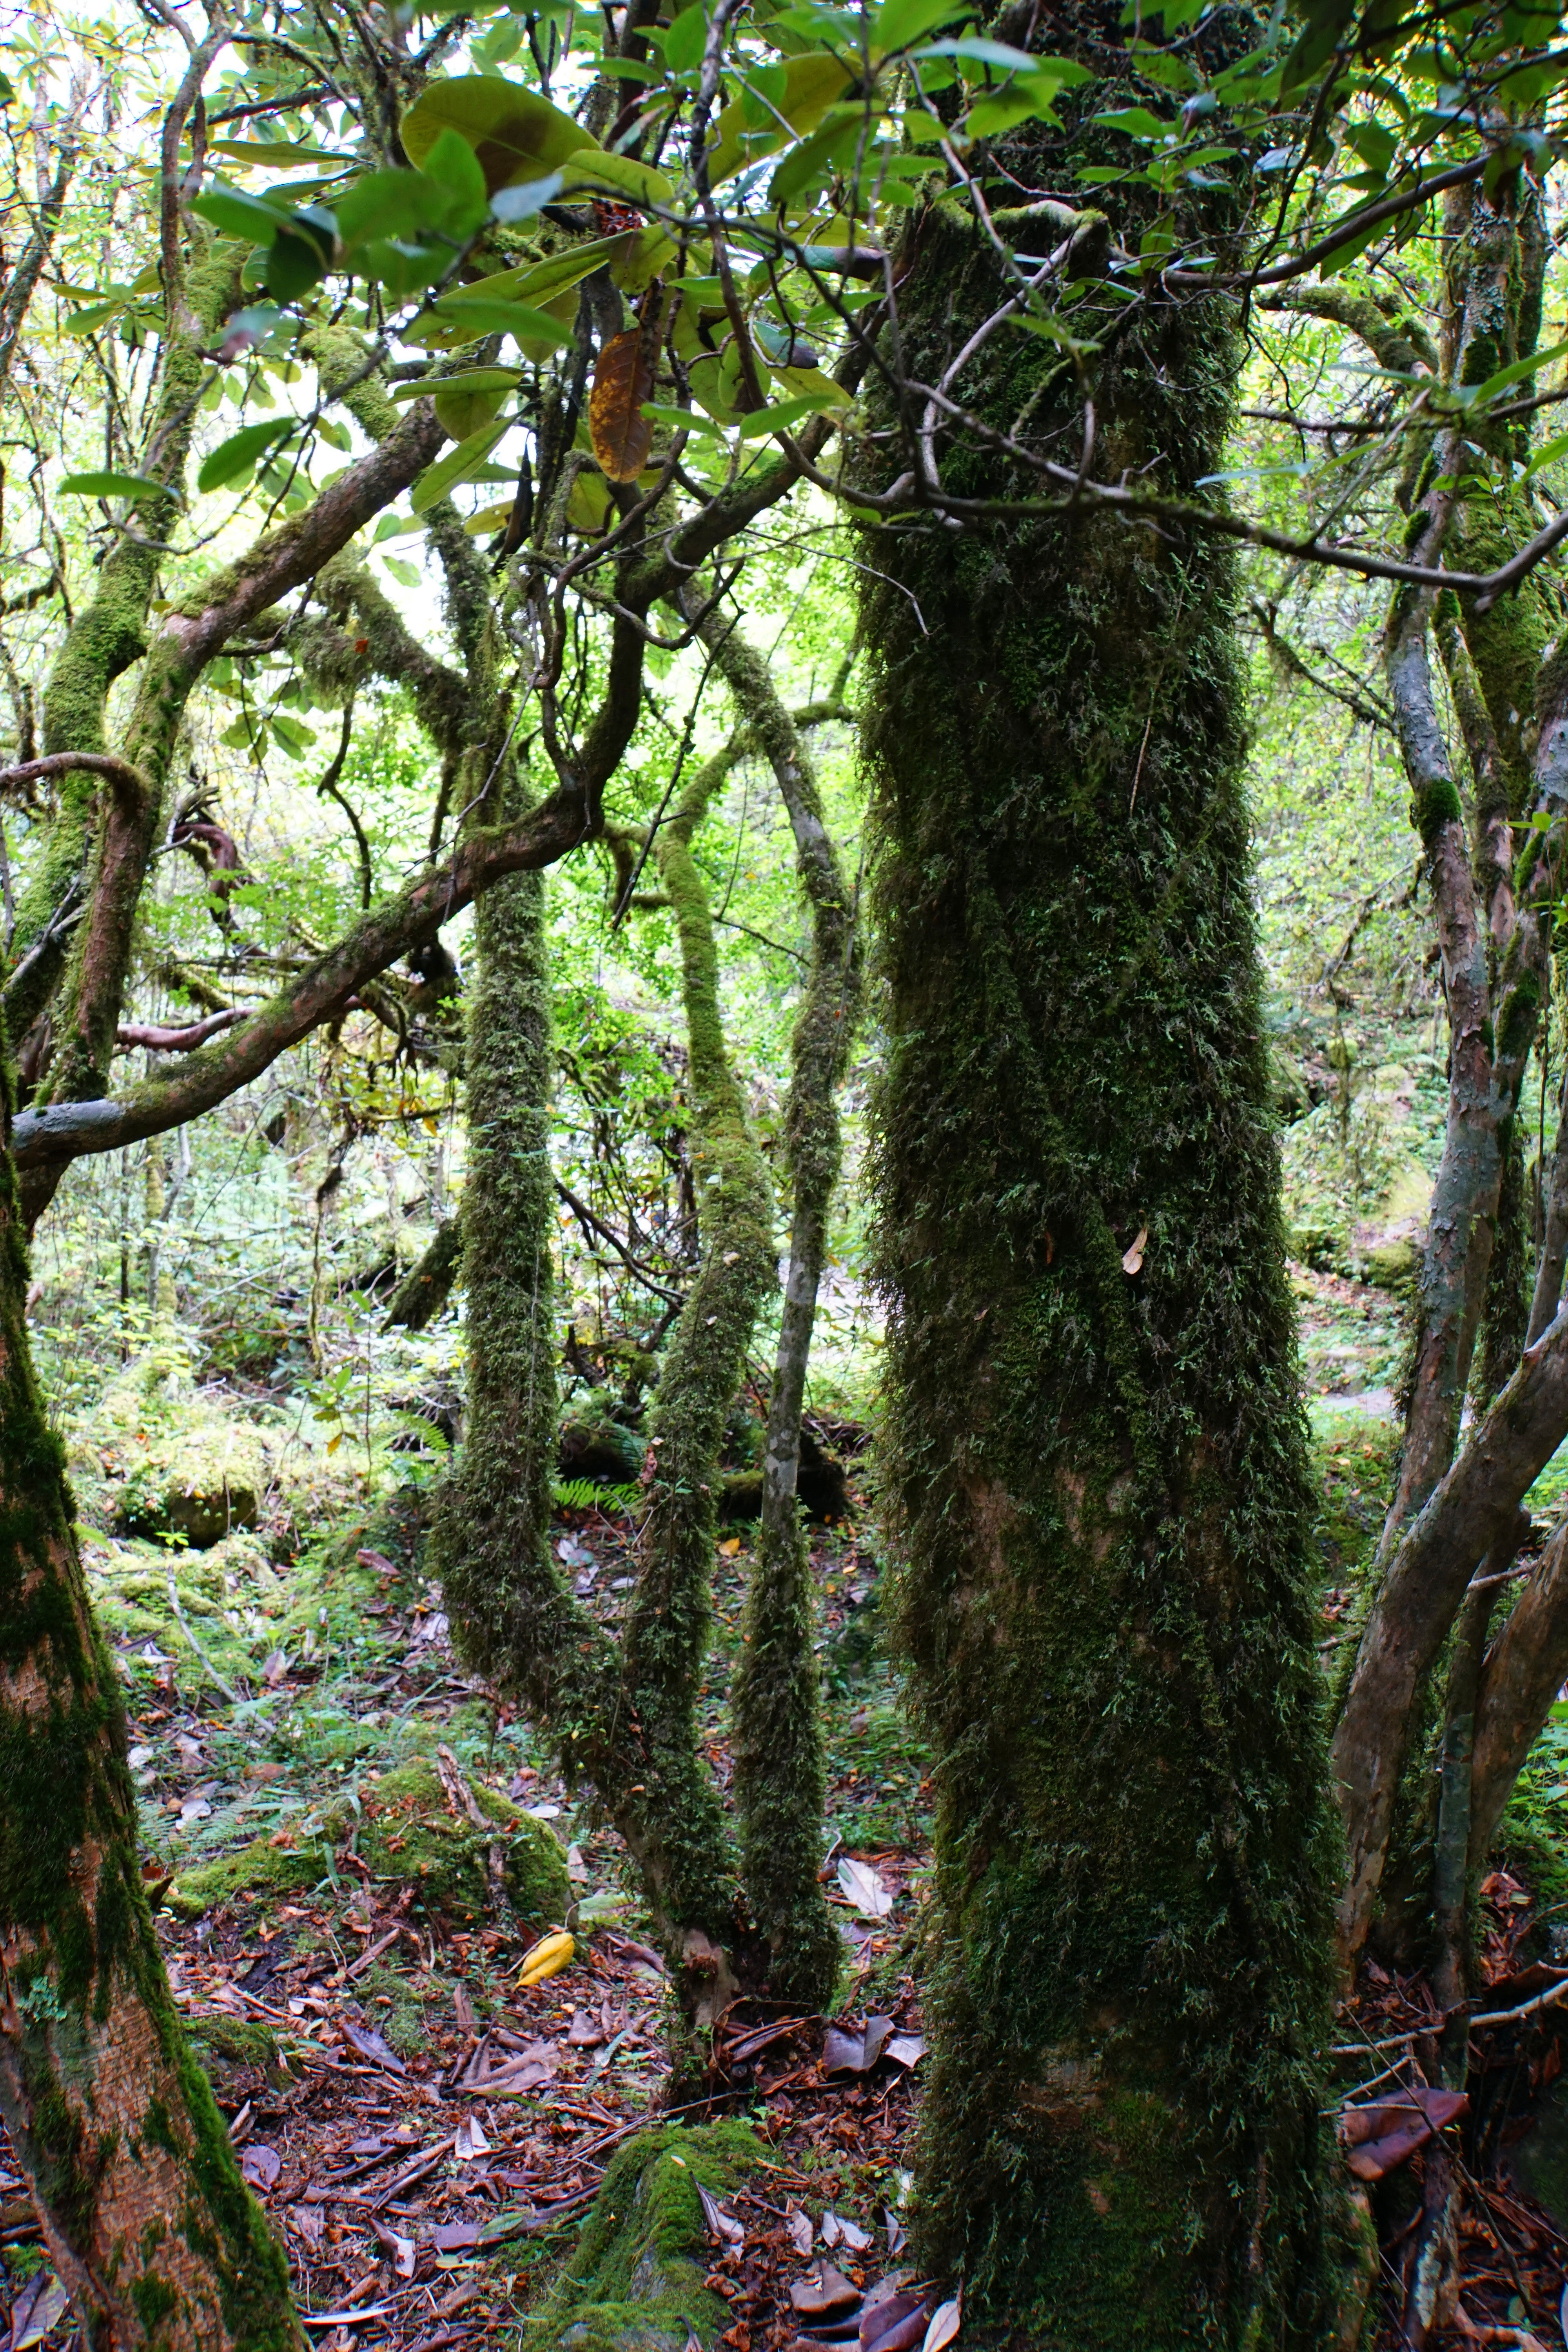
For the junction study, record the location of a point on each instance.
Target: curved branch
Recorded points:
(62, 1131)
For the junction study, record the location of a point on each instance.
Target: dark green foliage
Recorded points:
(1095, 1449)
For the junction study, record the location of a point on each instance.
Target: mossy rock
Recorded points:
(604, 1450)
(1393, 1266)
(229, 2048)
(198, 1486)
(635, 2283)
(405, 1833)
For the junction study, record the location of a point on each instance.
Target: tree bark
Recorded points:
(128, 2160)
(1095, 1455)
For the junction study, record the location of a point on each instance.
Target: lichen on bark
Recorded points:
(1094, 1448)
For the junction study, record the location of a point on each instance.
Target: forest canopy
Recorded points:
(786, 1180)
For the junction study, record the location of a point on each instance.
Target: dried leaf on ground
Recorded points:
(801, 2236)
(945, 2323)
(371, 2045)
(894, 2323)
(864, 1888)
(38, 2308)
(721, 2222)
(823, 2293)
(856, 2052)
(261, 2165)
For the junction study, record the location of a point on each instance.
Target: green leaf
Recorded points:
(1547, 455)
(459, 465)
(301, 253)
(898, 23)
(832, 145)
(238, 215)
(686, 40)
(1137, 122)
(1475, 396)
(389, 205)
(618, 176)
(83, 322)
(235, 459)
(998, 111)
(469, 379)
(240, 736)
(514, 135)
(815, 82)
(787, 413)
(980, 51)
(477, 315)
(453, 165)
(292, 734)
(683, 420)
(402, 570)
(112, 486)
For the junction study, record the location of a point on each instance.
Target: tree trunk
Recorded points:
(1095, 1449)
(781, 1772)
(144, 2210)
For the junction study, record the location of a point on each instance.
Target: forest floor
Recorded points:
(353, 2025)
(349, 2027)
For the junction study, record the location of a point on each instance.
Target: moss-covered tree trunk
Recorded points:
(144, 2211)
(1096, 1456)
(780, 1774)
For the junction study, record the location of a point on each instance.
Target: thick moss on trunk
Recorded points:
(781, 1769)
(1095, 1446)
(670, 1624)
(128, 2159)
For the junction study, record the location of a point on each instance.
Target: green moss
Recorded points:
(405, 1833)
(1094, 1451)
(231, 2048)
(635, 2283)
(1438, 804)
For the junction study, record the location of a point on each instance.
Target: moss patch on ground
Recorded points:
(635, 2283)
(407, 1832)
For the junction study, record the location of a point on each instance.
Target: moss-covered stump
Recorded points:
(635, 2283)
(407, 1833)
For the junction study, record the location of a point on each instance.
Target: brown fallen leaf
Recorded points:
(945, 2323)
(584, 2032)
(456, 2237)
(370, 2044)
(854, 2052)
(720, 2222)
(895, 2325)
(824, 2292)
(260, 2165)
(308, 2221)
(798, 2224)
(1379, 2139)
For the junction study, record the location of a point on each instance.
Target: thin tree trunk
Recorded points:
(138, 2192)
(781, 1776)
(429, 1281)
(1094, 1451)
(704, 1363)
(1430, 1563)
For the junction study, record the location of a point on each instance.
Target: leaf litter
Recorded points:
(424, 2178)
